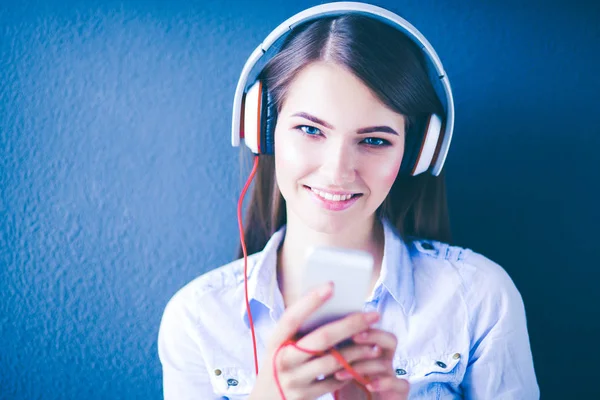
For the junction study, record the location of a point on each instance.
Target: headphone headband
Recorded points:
(340, 8)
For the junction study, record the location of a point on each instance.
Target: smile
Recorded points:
(333, 201)
(337, 196)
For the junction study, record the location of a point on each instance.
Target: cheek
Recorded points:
(290, 159)
(284, 153)
(388, 171)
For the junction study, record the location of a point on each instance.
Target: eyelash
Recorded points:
(382, 142)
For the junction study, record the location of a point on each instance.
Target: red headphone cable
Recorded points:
(361, 381)
(245, 251)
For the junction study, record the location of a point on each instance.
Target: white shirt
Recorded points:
(458, 317)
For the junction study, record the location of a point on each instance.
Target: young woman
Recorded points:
(352, 95)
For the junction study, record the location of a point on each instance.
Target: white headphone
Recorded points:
(252, 119)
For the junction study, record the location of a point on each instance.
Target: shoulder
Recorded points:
(185, 331)
(193, 309)
(484, 287)
(223, 278)
(473, 270)
(484, 304)
(220, 283)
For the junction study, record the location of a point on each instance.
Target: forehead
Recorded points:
(334, 93)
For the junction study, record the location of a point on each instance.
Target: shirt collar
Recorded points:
(396, 269)
(263, 289)
(396, 275)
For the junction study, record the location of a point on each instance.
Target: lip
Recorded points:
(330, 204)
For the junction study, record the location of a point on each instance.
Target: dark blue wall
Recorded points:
(118, 184)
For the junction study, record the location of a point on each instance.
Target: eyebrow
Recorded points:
(370, 129)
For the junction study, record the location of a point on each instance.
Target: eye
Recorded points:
(309, 130)
(376, 142)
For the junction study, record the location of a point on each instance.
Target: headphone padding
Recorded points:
(263, 118)
(270, 121)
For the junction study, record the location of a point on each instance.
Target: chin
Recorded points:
(330, 223)
(327, 225)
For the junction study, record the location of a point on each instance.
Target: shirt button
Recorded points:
(217, 372)
(427, 246)
(232, 382)
(400, 371)
(441, 364)
(456, 356)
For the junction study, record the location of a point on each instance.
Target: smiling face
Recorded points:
(338, 149)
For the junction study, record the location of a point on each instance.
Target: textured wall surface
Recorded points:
(118, 184)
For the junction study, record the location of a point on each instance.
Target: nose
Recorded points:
(339, 164)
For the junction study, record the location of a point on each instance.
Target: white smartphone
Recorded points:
(351, 273)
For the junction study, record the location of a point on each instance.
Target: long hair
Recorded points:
(393, 67)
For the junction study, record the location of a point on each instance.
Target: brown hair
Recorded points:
(393, 67)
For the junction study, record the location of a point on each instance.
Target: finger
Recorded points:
(390, 384)
(328, 335)
(386, 340)
(328, 364)
(297, 313)
(366, 368)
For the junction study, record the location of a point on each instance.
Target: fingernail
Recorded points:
(375, 349)
(372, 317)
(325, 290)
(373, 386)
(403, 384)
(341, 375)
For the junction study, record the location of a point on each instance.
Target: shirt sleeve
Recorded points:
(184, 374)
(500, 365)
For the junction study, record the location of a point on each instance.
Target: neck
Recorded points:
(365, 235)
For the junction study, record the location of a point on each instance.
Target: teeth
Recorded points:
(332, 197)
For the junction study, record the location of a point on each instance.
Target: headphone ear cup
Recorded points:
(421, 145)
(431, 136)
(251, 115)
(269, 120)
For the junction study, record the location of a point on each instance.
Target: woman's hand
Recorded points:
(298, 371)
(380, 371)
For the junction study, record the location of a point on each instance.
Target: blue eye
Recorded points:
(309, 130)
(376, 142)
